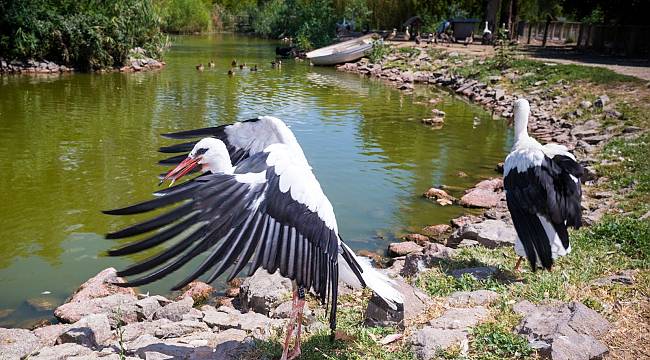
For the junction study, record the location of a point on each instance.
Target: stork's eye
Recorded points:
(201, 151)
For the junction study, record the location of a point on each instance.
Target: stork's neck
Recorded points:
(521, 125)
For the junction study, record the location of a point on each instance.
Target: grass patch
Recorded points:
(495, 341)
(631, 236)
(436, 283)
(628, 167)
(355, 342)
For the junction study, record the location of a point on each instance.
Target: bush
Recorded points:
(378, 51)
(86, 34)
(270, 19)
(185, 16)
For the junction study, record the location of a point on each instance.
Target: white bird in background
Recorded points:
(256, 202)
(486, 31)
(543, 193)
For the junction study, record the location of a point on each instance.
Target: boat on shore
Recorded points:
(343, 52)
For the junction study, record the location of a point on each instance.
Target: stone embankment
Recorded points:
(556, 330)
(137, 62)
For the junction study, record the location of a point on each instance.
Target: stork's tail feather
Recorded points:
(358, 272)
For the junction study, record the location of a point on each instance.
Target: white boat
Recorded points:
(346, 51)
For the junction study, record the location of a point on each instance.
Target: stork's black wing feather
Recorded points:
(237, 154)
(551, 190)
(236, 220)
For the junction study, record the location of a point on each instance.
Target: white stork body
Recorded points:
(259, 203)
(543, 193)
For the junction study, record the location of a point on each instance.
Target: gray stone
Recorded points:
(263, 291)
(116, 306)
(481, 198)
(571, 330)
(460, 318)
(47, 335)
(585, 104)
(489, 233)
(434, 253)
(132, 331)
(146, 308)
(180, 328)
(175, 310)
(90, 331)
(378, 313)
(625, 277)
(404, 248)
(17, 343)
(62, 352)
(471, 298)
(478, 273)
(429, 341)
(601, 101)
(98, 295)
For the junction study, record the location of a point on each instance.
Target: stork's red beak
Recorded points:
(182, 169)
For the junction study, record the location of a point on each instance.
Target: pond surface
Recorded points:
(73, 145)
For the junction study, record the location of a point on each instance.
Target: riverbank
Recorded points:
(136, 62)
(600, 116)
(461, 292)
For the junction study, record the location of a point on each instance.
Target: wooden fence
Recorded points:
(630, 40)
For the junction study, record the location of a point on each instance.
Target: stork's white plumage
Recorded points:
(257, 203)
(543, 193)
(486, 31)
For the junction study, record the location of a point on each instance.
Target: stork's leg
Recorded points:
(298, 307)
(287, 340)
(517, 269)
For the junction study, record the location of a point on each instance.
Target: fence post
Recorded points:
(548, 22)
(530, 30)
(580, 29)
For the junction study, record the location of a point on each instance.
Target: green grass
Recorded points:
(436, 283)
(495, 341)
(360, 342)
(629, 168)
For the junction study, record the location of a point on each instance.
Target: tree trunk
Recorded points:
(548, 22)
(491, 14)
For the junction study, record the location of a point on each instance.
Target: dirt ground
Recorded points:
(638, 68)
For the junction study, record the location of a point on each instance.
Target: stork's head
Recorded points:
(210, 153)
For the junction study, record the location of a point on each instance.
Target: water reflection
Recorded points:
(75, 144)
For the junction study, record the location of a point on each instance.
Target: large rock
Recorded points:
(433, 255)
(175, 310)
(568, 330)
(436, 232)
(132, 331)
(440, 196)
(429, 341)
(462, 318)
(63, 352)
(471, 298)
(489, 233)
(101, 285)
(47, 335)
(227, 345)
(91, 331)
(404, 248)
(485, 194)
(263, 291)
(199, 291)
(227, 318)
(378, 313)
(147, 307)
(118, 307)
(17, 343)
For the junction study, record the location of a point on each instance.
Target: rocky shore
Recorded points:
(136, 62)
(108, 322)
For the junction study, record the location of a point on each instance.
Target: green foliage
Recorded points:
(271, 18)
(504, 51)
(358, 11)
(85, 34)
(378, 51)
(494, 341)
(185, 16)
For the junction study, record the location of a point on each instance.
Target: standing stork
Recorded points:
(256, 202)
(543, 193)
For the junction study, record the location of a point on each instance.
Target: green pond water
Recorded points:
(72, 145)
